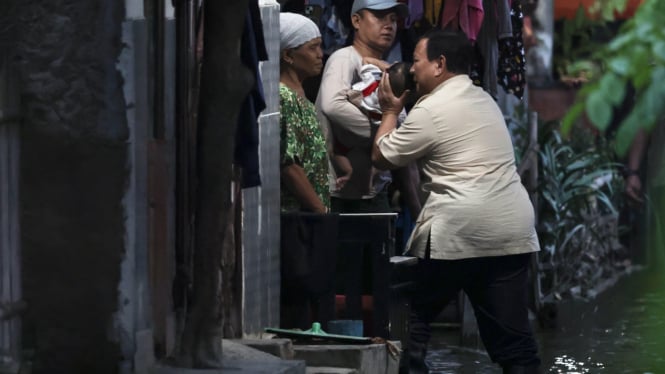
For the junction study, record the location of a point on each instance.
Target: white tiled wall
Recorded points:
(261, 261)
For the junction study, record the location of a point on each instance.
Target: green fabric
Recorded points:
(302, 143)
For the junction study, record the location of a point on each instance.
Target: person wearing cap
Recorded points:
(374, 29)
(476, 231)
(303, 153)
(375, 25)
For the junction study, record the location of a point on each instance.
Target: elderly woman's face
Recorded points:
(308, 58)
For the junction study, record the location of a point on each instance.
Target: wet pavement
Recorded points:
(621, 331)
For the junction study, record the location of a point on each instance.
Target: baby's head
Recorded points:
(400, 78)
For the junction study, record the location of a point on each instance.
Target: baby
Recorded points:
(364, 95)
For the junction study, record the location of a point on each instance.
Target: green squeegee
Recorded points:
(316, 333)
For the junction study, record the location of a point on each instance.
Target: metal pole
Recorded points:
(533, 194)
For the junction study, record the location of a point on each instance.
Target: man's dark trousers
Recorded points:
(497, 289)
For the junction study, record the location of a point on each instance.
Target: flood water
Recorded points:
(621, 331)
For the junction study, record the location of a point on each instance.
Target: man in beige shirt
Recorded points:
(476, 230)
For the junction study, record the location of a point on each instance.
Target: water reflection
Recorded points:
(622, 331)
(565, 364)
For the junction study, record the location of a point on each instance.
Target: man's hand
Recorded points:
(391, 106)
(634, 189)
(387, 100)
(356, 97)
(341, 181)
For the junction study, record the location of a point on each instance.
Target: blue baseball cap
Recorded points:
(401, 9)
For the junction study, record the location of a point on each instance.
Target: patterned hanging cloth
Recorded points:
(511, 70)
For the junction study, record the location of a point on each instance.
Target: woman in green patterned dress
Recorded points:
(303, 155)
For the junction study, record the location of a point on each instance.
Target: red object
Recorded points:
(369, 89)
(568, 8)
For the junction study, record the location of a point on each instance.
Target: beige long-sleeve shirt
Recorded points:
(477, 205)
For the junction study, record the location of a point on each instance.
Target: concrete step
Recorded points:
(279, 367)
(282, 348)
(232, 350)
(241, 359)
(240, 366)
(328, 370)
(366, 359)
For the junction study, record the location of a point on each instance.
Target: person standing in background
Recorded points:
(374, 26)
(303, 153)
(308, 234)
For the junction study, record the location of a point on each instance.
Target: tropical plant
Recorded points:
(635, 57)
(577, 199)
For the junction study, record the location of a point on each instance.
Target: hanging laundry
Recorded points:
(416, 12)
(511, 72)
(487, 47)
(504, 24)
(499, 58)
(335, 34)
(334, 23)
(247, 135)
(465, 15)
(432, 11)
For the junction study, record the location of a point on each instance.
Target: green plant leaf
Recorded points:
(580, 17)
(642, 78)
(550, 200)
(614, 88)
(626, 133)
(569, 236)
(588, 179)
(620, 5)
(598, 110)
(620, 65)
(571, 116)
(640, 56)
(658, 77)
(659, 49)
(607, 202)
(644, 30)
(621, 41)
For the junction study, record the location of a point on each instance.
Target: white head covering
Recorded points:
(296, 30)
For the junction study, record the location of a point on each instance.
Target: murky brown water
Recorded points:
(622, 331)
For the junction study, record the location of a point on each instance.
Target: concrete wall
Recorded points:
(74, 174)
(261, 262)
(145, 307)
